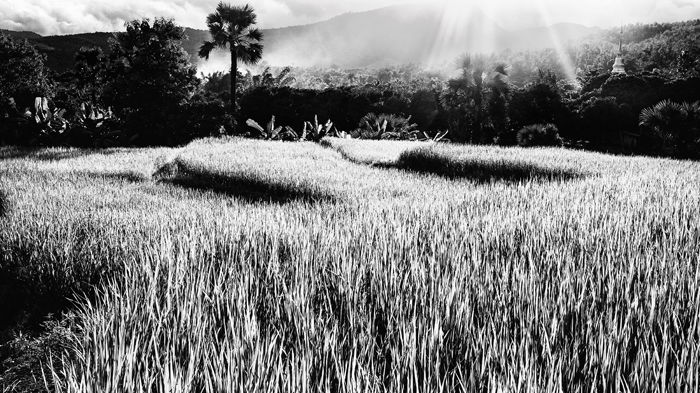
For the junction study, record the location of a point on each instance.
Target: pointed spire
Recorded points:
(620, 52)
(619, 66)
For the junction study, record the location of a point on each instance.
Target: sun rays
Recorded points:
(564, 58)
(461, 21)
(466, 22)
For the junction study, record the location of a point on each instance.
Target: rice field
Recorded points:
(352, 266)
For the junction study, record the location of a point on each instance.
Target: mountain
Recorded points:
(397, 34)
(422, 34)
(28, 35)
(419, 34)
(60, 49)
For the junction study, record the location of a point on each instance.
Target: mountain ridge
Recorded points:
(417, 34)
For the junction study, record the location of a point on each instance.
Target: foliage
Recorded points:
(312, 131)
(217, 85)
(603, 120)
(439, 136)
(539, 135)
(23, 360)
(346, 106)
(476, 102)
(232, 27)
(268, 79)
(316, 131)
(202, 117)
(409, 78)
(635, 91)
(387, 126)
(675, 127)
(272, 132)
(22, 73)
(150, 79)
(536, 103)
(89, 75)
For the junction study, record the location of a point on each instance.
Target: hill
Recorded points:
(419, 34)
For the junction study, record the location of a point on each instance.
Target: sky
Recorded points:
(48, 17)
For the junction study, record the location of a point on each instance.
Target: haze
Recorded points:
(49, 17)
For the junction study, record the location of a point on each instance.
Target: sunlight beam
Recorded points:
(461, 21)
(567, 64)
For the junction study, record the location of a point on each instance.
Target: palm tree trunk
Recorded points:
(234, 81)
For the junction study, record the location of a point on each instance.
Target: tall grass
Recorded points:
(479, 164)
(400, 282)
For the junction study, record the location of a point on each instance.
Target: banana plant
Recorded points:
(289, 135)
(439, 137)
(373, 126)
(91, 117)
(343, 134)
(50, 121)
(387, 126)
(316, 131)
(272, 132)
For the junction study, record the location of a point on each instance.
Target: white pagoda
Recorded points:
(619, 66)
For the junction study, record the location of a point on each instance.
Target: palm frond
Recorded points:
(206, 49)
(250, 54)
(254, 35)
(241, 18)
(214, 19)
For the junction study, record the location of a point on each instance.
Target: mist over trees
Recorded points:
(143, 90)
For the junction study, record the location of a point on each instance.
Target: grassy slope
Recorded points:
(360, 278)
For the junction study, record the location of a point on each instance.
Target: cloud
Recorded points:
(75, 16)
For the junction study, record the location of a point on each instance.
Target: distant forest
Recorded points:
(141, 87)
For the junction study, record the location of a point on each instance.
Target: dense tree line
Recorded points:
(144, 91)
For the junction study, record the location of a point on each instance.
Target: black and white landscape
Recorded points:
(324, 196)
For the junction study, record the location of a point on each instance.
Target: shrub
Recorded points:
(539, 135)
(24, 358)
(315, 131)
(675, 127)
(386, 126)
(537, 103)
(345, 105)
(602, 121)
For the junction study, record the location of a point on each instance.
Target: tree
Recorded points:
(22, 72)
(497, 104)
(151, 78)
(473, 71)
(232, 27)
(536, 103)
(676, 126)
(89, 73)
(603, 120)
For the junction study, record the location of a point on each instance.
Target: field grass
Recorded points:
(354, 267)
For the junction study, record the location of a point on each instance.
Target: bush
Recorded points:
(539, 135)
(25, 361)
(385, 126)
(345, 105)
(537, 103)
(674, 127)
(603, 120)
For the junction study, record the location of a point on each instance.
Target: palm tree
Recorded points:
(676, 125)
(233, 27)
